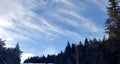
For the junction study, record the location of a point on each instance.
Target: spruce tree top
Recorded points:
(113, 22)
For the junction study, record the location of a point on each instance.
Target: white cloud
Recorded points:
(23, 14)
(69, 21)
(9, 10)
(49, 50)
(85, 22)
(4, 22)
(34, 26)
(24, 27)
(101, 4)
(67, 2)
(26, 56)
(49, 29)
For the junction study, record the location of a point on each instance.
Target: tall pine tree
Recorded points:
(113, 22)
(17, 54)
(2, 52)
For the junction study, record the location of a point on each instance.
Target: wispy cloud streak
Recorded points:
(85, 22)
(38, 21)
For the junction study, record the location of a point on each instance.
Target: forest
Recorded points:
(102, 51)
(92, 52)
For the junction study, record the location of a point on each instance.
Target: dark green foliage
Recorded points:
(96, 52)
(86, 42)
(2, 52)
(9, 55)
(113, 22)
(17, 54)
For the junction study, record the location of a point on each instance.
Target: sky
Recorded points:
(44, 27)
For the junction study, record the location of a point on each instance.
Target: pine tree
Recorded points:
(113, 22)
(2, 51)
(86, 42)
(17, 53)
(68, 48)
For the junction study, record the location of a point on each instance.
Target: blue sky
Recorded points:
(45, 26)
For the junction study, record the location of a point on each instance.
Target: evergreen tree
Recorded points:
(17, 54)
(68, 48)
(113, 22)
(86, 42)
(9, 55)
(2, 52)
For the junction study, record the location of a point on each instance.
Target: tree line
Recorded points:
(92, 52)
